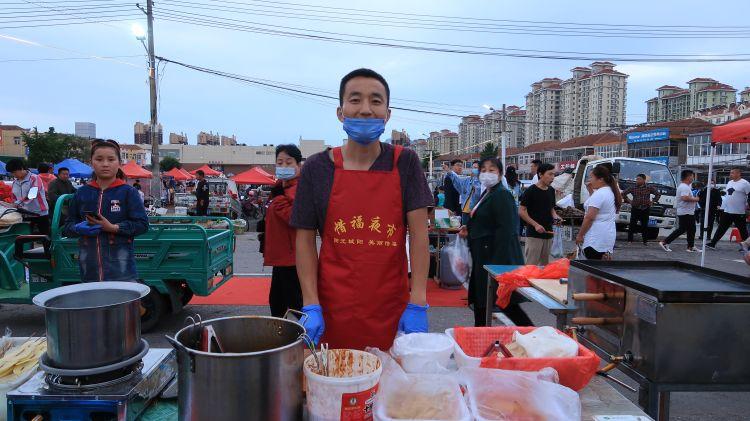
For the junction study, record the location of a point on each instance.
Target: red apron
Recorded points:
(363, 282)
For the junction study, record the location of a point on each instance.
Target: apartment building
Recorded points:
(471, 132)
(228, 141)
(674, 103)
(543, 116)
(515, 126)
(593, 100)
(11, 141)
(85, 130)
(178, 139)
(399, 137)
(142, 133)
(443, 142)
(209, 139)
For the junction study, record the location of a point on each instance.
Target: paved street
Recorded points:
(26, 319)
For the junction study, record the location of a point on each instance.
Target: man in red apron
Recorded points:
(362, 198)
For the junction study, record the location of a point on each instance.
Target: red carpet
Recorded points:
(254, 292)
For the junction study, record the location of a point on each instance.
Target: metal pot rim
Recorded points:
(239, 354)
(42, 299)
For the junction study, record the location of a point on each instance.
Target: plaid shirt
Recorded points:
(641, 196)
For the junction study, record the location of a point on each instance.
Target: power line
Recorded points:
(23, 60)
(210, 21)
(461, 26)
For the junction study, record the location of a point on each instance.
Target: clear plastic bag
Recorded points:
(508, 395)
(428, 353)
(414, 397)
(460, 258)
(558, 247)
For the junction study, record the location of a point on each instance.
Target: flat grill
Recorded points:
(669, 325)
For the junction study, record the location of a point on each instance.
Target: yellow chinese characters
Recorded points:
(340, 227)
(357, 222)
(375, 224)
(391, 230)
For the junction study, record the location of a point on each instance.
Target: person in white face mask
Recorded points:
(280, 236)
(492, 232)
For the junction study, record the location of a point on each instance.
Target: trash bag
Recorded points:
(558, 249)
(459, 257)
(504, 395)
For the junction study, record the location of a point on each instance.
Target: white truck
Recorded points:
(626, 169)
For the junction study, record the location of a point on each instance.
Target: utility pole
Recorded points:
(154, 122)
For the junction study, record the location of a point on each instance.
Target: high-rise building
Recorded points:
(85, 130)
(543, 115)
(208, 138)
(471, 133)
(142, 133)
(399, 137)
(593, 100)
(515, 126)
(674, 103)
(443, 142)
(178, 139)
(228, 141)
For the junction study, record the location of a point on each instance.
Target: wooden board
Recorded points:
(553, 288)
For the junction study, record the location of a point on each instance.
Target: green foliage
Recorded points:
(426, 163)
(489, 151)
(53, 147)
(169, 162)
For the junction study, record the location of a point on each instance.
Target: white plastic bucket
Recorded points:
(349, 392)
(180, 210)
(423, 352)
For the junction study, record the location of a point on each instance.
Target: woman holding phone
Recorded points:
(106, 214)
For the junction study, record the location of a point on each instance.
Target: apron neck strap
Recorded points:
(338, 157)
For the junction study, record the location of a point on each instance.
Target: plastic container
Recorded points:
(239, 226)
(7, 387)
(349, 392)
(575, 372)
(423, 352)
(432, 391)
(180, 210)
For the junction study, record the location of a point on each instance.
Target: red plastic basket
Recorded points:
(575, 372)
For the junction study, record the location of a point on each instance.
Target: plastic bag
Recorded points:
(501, 395)
(509, 281)
(545, 342)
(404, 396)
(558, 249)
(423, 352)
(566, 202)
(460, 258)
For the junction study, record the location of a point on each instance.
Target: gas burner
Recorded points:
(93, 381)
(48, 368)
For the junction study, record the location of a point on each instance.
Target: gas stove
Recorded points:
(122, 395)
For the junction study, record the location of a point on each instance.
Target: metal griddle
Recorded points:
(670, 281)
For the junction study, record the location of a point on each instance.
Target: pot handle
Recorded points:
(180, 347)
(302, 317)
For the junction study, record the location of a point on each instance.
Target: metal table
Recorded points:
(560, 311)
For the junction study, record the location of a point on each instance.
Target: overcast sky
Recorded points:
(114, 93)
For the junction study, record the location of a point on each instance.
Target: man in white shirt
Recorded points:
(685, 207)
(535, 170)
(734, 207)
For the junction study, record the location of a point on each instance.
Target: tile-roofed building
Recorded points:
(675, 103)
(745, 95)
(11, 141)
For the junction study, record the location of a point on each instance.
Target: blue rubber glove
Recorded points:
(85, 229)
(314, 324)
(414, 319)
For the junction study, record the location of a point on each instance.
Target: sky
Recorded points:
(113, 93)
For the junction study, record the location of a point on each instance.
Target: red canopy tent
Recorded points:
(262, 171)
(133, 170)
(187, 174)
(210, 172)
(178, 175)
(737, 131)
(252, 176)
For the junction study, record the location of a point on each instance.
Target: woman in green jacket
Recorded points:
(492, 232)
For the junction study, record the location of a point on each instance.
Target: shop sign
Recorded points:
(564, 165)
(648, 136)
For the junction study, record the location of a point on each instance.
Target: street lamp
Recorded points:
(139, 32)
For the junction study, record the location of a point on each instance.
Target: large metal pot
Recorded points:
(92, 324)
(258, 377)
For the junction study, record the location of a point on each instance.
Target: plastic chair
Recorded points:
(735, 236)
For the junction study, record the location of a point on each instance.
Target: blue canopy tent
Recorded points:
(77, 168)
(2, 168)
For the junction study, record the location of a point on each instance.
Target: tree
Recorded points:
(169, 162)
(54, 147)
(426, 163)
(489, 151)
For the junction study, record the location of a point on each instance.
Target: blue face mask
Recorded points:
(364, 130)
(285, 173)
(475, 171)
